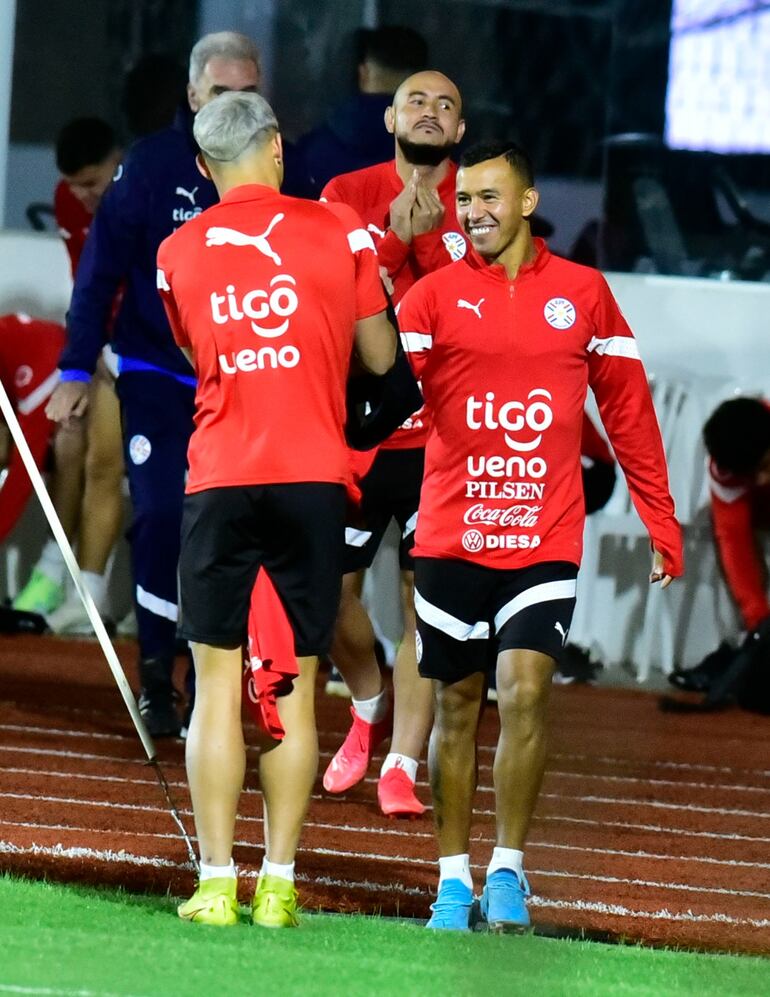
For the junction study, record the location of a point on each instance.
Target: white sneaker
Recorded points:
(70, 618)
(127, 626)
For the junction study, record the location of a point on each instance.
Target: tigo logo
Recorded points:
(280, 300)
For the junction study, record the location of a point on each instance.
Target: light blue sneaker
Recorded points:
(503, 904)
(452, 909)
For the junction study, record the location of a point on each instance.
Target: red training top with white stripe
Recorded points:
(370, 192)
(504, 366)
(265, 290)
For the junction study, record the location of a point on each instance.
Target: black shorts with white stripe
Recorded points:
(468, 613)
(391, 490)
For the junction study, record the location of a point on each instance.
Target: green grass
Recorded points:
(65, 940)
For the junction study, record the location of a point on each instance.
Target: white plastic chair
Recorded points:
(644, 618)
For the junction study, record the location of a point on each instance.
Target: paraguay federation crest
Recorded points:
(455, 245)
(560, 313)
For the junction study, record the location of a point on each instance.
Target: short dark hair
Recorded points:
(152, 91)
(84, 142)
(393, 46)
(737, 435)
(517, 158)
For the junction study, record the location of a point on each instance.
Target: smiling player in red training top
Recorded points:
(506, 342)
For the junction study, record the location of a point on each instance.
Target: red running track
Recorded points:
(652, 827)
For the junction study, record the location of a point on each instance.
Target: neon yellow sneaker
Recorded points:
(41, 594)
(275, 903)
(214, 902)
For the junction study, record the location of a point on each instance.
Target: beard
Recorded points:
(423, 154)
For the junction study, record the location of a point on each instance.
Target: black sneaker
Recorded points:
(699, 679)
(157, 698)
(575, 665)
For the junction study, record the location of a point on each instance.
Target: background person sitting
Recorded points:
(88, 462)
(737, 439)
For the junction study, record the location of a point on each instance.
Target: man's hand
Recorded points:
(428, 210)
(656, 575)
(401, 210)
(69, 401)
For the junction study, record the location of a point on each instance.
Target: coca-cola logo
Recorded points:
(514, 515)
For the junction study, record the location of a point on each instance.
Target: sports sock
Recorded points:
(218, 871)
(276, 869)
(51, 562)
(455, 867)
(507, 858)
(97, 586)
(371, 710)
(396, 761)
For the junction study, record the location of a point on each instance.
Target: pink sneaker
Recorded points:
(396, 796)
(350, 763)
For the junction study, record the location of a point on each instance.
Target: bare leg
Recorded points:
(452, 760)
(353, 647)
(215, 754)
(523, 689)
(67, 480)
(413, 695)
(102, 506)
(288, 769)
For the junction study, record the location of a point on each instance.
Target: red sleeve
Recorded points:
(370, 297)
(593, 444)
(416, 326)
(391, 251)
(619, 382)
(742, 563)
(163, 283)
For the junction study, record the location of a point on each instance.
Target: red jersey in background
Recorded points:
(370, 192)
(738, 508)
(72, 220)
(265, 290)
(505, 365)
(29, 353)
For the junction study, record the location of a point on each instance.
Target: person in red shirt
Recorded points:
(29, 351)
(506, 342)
(86, 485)
(87, 155)
(268, 296)
(408, 206)
(737, 440)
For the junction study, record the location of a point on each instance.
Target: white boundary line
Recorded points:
(6, 847)
(615, 910)
(560, 756)
(348, 829)
(86, 756)
(10, 988)
(625, 825)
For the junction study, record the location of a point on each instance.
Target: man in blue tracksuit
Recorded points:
(156, 189)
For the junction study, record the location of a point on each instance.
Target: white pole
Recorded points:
(69, 559)
(7, 25)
